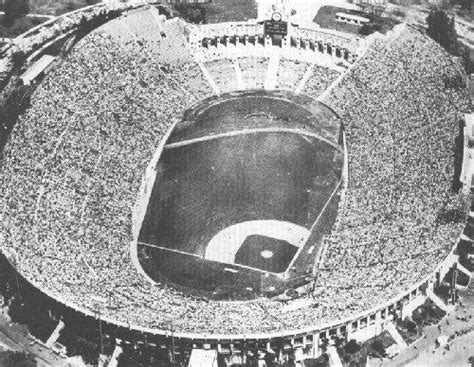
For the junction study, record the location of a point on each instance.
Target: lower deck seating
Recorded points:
(320, 79)
(290, 73)
(254, 71)
(223, 74)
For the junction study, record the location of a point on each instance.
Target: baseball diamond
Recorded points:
(263, 170)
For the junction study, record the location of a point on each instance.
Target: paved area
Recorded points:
(459, 323)
(15, 337)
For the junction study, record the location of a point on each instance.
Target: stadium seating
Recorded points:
(75, 161)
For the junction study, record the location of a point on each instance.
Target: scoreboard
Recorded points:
(276, 26)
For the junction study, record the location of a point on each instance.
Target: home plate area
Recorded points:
(265, 245)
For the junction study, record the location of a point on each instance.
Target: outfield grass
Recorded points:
(204, 187)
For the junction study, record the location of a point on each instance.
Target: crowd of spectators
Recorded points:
(321, 78)
(402, 214)
(223, 73)
(71, 173)
(254, 71)
(290, 73)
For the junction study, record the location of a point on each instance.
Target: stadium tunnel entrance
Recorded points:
(241, 195)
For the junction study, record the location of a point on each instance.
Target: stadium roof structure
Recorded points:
(75, 162)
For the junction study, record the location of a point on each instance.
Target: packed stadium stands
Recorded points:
(224, 75)
(290, 73)
(72, 170)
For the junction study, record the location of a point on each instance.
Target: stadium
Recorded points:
(229, 188)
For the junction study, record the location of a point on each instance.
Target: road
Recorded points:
(459, 323)
(15, 337)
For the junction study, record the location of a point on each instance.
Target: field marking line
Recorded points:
(169, 249)
(236, 265)
(250, 131)
(224, 246)
(311, 229)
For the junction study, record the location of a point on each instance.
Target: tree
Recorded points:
(193, 13)
(466, 4)
(13, 10)
(16, 359)
(378, 347)
(441, 29)
(367, 29)
(18, 59)
(352, 347)
(466, 57)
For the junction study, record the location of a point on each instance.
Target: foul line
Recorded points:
(169, 249)
(214, 261)
(297, 255)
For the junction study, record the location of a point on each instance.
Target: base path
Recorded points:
(224, 246)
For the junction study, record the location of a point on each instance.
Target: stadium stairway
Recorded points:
(463, 269)
(55, 334)
(437, 301)
(272, 71)
(115, 356)
(209, 78)
(238, 74)
(299, 88)
(223, 74)
(390, 327)
(334, 360)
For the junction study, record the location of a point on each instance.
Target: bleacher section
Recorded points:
(223, 73)
(146, 23)
(320, 79)
(290, 73)
(235, 67)
(163, 42)
(95, 123)
(254, 71)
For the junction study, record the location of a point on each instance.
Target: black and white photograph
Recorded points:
(236, 183)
